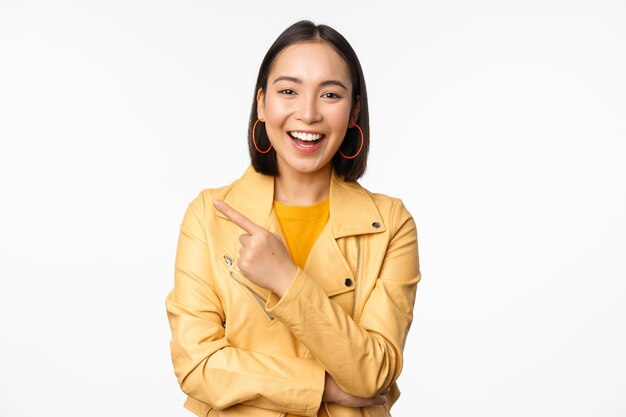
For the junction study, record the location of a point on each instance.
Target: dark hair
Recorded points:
(305, 30)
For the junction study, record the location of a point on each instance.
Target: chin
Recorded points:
(307, 167)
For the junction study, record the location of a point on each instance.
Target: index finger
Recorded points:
(236, 217)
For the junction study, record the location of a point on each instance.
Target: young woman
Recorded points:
(294, 286)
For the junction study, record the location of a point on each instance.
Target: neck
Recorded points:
(302, 189)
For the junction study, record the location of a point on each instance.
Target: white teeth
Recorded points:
(308, 137)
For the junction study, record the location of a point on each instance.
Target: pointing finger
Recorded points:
(236, 217)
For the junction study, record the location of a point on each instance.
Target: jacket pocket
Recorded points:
(252, 292)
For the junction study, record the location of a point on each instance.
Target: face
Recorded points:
(307, 106)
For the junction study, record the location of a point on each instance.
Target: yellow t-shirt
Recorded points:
(301, 226)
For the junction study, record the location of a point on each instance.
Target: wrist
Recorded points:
(283, 282)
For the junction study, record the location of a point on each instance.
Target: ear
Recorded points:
(260, 104)
(356, 108)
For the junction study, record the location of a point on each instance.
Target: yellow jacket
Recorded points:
(239, 350)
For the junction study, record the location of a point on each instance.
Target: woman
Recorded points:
(294, 286)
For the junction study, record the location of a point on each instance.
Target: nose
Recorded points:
(309, 111)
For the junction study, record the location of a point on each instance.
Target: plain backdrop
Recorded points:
(501, 125)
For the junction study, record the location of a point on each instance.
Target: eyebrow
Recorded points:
(299, 81)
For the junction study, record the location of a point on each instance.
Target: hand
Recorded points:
(334, 394)
(263, 258)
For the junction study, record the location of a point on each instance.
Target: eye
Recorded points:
(287, 91)
(330, 95)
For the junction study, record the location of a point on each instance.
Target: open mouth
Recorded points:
(306, 139)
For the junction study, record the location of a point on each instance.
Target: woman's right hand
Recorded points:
(334, 394)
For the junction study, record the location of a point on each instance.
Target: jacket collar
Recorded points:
(352, 210)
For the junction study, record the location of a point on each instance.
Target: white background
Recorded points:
(501, 124)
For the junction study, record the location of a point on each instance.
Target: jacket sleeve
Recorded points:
(208, 368)
(363, 358)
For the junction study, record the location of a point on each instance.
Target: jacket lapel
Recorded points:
(352, 210)
(253, 196)
(352, 213)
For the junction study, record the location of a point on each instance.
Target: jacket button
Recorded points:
(228, 260)
(348, 282)
(376, 225)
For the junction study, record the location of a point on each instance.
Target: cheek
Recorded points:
(340, 116)
(276, 113)
(276, 110)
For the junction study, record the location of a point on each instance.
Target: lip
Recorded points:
(306, 148)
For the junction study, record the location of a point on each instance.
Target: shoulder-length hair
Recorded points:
(305, 30)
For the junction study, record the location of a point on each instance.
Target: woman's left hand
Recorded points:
(263, 258)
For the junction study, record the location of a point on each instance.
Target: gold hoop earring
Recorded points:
(254, 139)
(360, 148)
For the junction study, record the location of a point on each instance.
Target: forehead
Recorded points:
(310, 61)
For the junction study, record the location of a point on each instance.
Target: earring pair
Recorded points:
(341, 153)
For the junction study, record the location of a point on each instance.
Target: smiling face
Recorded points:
(307, 106)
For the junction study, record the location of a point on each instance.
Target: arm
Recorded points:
(208, 368)
(364, 358)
